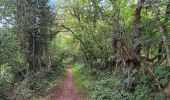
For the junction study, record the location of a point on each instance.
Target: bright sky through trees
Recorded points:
(53, 2)
(116, 49)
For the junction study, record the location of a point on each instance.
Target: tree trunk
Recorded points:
(163, 30)
(164, 35)
(137, 32)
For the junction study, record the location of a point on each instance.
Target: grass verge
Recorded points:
(81, 81)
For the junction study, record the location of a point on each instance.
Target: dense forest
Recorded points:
(116, 49)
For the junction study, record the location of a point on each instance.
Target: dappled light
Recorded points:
(84, 49)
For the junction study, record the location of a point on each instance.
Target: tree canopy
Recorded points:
(119, 49)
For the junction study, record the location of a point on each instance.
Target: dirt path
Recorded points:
(67, 90)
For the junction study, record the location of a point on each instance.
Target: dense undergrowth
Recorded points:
(110, 86)
(19, 90)
(123, 45)
(53, 81)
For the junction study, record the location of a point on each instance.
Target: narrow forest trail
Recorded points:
(67, 90)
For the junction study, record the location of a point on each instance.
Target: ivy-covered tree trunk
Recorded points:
(132, 55)
(33, 20)
(137, 33)
(163, 30)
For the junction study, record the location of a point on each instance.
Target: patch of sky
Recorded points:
(52, 3)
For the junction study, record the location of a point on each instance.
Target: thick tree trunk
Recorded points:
(133, 56)
(137, 32)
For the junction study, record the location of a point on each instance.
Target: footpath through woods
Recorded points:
(67, 90)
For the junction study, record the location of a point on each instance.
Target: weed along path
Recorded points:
(67, 90)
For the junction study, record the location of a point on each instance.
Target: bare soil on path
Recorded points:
(67, 90)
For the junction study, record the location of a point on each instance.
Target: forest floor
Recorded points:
(67, 89)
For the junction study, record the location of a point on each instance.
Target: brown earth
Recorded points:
(67, 90)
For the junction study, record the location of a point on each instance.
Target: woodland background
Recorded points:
(119, 49)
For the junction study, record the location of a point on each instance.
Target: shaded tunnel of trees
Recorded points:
(121, 48)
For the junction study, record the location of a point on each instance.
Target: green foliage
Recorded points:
(164, 74)
(6, 74)
(99, 34)
(101, 86)
(9, 45)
